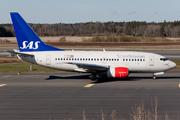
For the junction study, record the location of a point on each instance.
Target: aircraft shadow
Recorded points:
(51, 77)
(158, 77)
(103, 79)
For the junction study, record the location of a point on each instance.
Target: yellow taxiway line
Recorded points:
(89, 85)
(6, 76)
(2, 85)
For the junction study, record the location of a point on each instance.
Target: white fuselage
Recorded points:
(134, 61)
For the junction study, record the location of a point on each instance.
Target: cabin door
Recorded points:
(151, 61)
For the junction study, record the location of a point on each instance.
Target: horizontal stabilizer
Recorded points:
(17, 52)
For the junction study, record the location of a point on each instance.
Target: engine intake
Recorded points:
(117, 72)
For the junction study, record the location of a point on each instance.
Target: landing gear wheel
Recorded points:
(93, 76)
(154, 77)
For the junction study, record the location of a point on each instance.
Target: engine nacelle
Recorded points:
(117, 72)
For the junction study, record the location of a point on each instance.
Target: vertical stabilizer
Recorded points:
(27, 39)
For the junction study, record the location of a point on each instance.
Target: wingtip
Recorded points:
(12, 13)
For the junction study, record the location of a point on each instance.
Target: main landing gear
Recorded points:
(93, 76)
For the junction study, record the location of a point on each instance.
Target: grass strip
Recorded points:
(23, 67)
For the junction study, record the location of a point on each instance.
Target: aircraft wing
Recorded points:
(18, 53)
(90, 66)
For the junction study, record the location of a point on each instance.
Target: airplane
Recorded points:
(113, 64)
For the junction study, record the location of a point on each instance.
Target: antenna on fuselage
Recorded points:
(104, 50)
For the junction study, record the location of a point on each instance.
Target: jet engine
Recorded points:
(117, 72)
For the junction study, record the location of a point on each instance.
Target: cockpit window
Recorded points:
(163, 59)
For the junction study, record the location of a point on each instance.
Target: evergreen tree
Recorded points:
(162, 31)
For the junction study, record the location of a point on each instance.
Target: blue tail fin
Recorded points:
(27, 39)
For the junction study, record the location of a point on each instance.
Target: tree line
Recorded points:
(5, 33)
(133, 28)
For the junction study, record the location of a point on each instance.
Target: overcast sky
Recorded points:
(76, 11)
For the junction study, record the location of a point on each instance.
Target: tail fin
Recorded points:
(27, 39)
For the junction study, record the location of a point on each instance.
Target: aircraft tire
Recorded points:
(93, 77)
(154, 77)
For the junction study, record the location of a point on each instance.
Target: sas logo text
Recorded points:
(30, 45)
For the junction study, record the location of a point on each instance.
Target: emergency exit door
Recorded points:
(48, 60)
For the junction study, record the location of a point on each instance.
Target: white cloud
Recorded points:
(115, 13)
(131, 13)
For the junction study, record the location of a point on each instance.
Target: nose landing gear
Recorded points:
(154, 77)
(159, 73)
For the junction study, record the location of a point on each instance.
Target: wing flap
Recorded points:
(90, 66)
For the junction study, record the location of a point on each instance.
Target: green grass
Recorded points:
(23, 67)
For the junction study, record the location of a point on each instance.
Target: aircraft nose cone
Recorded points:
(173, 65)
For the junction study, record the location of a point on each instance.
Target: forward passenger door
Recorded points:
(151, 61)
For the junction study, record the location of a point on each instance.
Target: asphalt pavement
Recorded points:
(59, 96)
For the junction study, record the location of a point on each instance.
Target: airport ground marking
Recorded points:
(2, 85)
(6, 76)
(89, 85)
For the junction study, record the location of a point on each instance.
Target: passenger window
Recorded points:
(107, 59)
(97, 59)
(55, 58)
(143, 59)
(83, 59)
(117, 59)
(114, 59)
(72, 59)
(69, 58)
(101, 59)
(123, 59)
(129, 59)
(137, 59)
(126, 59)
(94, 59)
(132, 59)
(66, 58)
(91, 59)
(77, 58)
(80, 58)
(140, 59)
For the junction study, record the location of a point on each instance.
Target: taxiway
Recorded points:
(44, 96)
